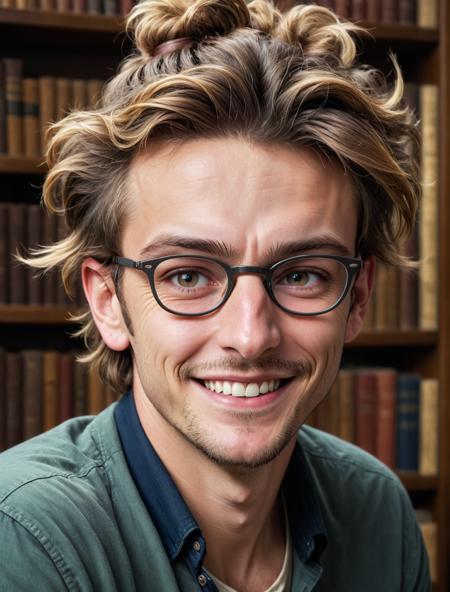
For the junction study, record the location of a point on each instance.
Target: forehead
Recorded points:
(249, 196)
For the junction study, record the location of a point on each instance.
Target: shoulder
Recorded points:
(339, 467)
(43, 471)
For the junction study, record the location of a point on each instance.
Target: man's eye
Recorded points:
(188, 279)
(301, 278)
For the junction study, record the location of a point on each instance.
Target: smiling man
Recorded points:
(226, 204)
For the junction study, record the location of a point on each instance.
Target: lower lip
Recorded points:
(245, 402)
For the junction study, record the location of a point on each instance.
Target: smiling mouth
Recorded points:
(242, 389)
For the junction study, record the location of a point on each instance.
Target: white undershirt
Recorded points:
(283, 581)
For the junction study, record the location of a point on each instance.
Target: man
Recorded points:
(226, 205)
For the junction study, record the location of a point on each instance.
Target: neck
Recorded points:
(239, 511)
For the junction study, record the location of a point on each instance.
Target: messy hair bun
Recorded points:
(154, 22)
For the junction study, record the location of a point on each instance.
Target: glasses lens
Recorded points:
(190, 285)
(310, 285)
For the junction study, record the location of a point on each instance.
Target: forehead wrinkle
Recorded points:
(162, 243)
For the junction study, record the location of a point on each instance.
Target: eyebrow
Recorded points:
(161, 244)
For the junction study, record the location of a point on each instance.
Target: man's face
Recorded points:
(252, 203)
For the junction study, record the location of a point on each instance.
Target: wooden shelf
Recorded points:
(36, 315)
(402, 33)
(60, 20)
(395, 339)
(22, 165)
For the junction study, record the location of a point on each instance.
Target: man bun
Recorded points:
(154, 22)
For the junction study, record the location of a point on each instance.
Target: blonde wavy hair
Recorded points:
(241, 70)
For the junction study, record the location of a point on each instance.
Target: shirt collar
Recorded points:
(172, 517)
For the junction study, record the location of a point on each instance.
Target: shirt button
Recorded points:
(202, 580)
(197, 546)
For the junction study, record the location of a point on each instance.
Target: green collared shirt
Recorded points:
(71, 518)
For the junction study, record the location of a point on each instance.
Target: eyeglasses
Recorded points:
(194, 286)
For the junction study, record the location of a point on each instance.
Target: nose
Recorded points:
(248, 321)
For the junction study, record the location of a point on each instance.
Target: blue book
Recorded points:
(408, 402)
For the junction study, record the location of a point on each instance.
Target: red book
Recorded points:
(385, 429)
(365, 397)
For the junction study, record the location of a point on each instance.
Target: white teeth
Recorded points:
(241, 389)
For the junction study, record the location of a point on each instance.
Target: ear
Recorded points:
(361, 293)
(104, 304)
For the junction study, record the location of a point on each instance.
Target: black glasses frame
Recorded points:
(352, 265)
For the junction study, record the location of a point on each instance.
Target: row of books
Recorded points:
(40, 389)
(90, 7)
(28, 105)
(23, 227)
(405, 12)
(392, 415)
(409, 299)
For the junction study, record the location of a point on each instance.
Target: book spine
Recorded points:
(17, 272)
(347, 405)
(365, 397)
(32, 393)
(13, 93)
(389, 11)
(3, 140)
(358, 10)
(47, 107)
(428, 279)
(408, 400)
(407, 12)
(32, 140)
(96, 400)
(63, 97)
(428, 427)
(427, 13)
(50, 399)
(14, 396)
(4, 250)
(34, 239)
(66, 389)
(94, 92)
(343, 8)
(79, 94)
(49, 234)
(373, 10)
(385, 430)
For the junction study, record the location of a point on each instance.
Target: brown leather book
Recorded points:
(80, 389)
(79, 93)
(346, 380)
(47, 107)
(365, 398)
(389, 11)
(62, 298)
(373, 11)
(51, 392)
(13, 94)
(32, 139)
(3, 142)
(427, 13)
(64, 98)
(14, 396)
(428, 426)
(385, 429)
(66, 380)
(94, 91)
(17, 273)
(96, 393)
(32, 392)
(407, 12)
(358, 10)
(343, 8)
(34, 239)
(50, 280)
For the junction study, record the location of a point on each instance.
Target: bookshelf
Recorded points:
(423, 54)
